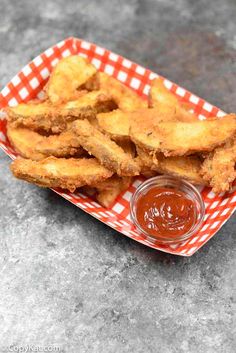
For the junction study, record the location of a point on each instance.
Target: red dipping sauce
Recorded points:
(166, 212)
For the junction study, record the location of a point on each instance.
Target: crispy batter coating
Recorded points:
(54, 118)
(115, 123)
(147, 159)
(125, 98)
(59, 172)
(107, 192)
(219, 167)
(153, 116)
(89, 190)
(89, 110)
(67, 76)
(105, 150)
(128, 147)
(62, 145)
(159, 94)
(181, 138)
(92, 84)
(110, 189)
(161, 98)
(25, 141)
(147, 162)
(186, 167)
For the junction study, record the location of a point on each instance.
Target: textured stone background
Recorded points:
(67, 279)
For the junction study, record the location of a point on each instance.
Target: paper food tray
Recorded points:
(28, 84)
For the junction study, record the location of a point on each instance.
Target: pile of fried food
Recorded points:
(94, 133)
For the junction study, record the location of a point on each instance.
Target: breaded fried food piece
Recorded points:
(104, 149)
(159, 94)
(115, 123)
(92, 84)
(145, 161)
(219, 167)
(89, 190)
(106, 192)
(67, 76)
(62, 145)
(147, 158)
(181, 138)
(125, 98)
(128, 147)
(110, 189)
(186, 167)
(54, 118)
(153, 116)
(25, 141)
(161, 98)
(59, 172)
(147, 118)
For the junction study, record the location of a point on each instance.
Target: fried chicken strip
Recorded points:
(125, 98)
(219, 167)
(105, 150)
(186, 167)
(54, 118)
(181, 138)
(161, 98)
(59, 172)
(25, 141)
(62, 145)
(67, 76)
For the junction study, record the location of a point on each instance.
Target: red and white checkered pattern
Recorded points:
(28, 84)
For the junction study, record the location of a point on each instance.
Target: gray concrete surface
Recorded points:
(65, 278)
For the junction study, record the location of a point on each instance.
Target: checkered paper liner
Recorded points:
(28, 84)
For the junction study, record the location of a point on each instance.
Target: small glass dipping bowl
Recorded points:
(189, 191)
